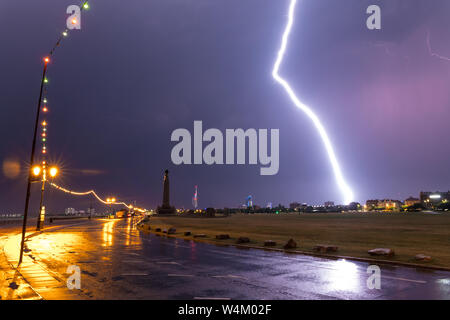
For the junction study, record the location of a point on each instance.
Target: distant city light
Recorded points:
(435, 196)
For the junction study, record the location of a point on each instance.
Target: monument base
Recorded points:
(165, 210)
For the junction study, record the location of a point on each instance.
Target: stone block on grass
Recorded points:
(171, 231)
(381, 252)
(222, 236)
(243, 240)
(187, 233)
(291, 244)
(325, 248)
(422, 257)
(200, 235)
(158, 229)
(269, 243)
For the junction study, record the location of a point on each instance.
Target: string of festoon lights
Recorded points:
(107, 201)
(44, 125)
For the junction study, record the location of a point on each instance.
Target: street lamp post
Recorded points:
(39, 223)
(52, 172)
(111, 201)
(33, 148)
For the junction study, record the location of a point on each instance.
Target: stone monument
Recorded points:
(165, 208)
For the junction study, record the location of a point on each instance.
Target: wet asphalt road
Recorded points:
(119, 262)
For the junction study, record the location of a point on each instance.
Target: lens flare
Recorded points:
(343, 186)
(11, 168)
(36, 170)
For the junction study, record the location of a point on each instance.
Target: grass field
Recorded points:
(354, 233)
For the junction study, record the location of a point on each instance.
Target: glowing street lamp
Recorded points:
(110, 201)
(53, 171)
(36, 170)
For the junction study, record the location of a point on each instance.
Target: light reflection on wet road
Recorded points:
(119, 262)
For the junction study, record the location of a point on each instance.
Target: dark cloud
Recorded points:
(140, 69)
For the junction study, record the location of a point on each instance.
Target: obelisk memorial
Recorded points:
(165, 208)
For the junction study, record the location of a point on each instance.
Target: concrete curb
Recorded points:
(319, 255)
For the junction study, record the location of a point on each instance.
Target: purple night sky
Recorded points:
(140, 69)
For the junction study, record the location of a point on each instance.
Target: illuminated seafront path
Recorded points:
(119, 262)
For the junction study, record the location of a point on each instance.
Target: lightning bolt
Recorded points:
(431, 52)
(343, 186)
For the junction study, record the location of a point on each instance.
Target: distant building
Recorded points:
(384, 204)
(249, 201)
(433, 199)
(388, 204)
(353, 206)
(294, 205)
(371, 205)
(329, 203)
(70, 211)
(411, 201)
